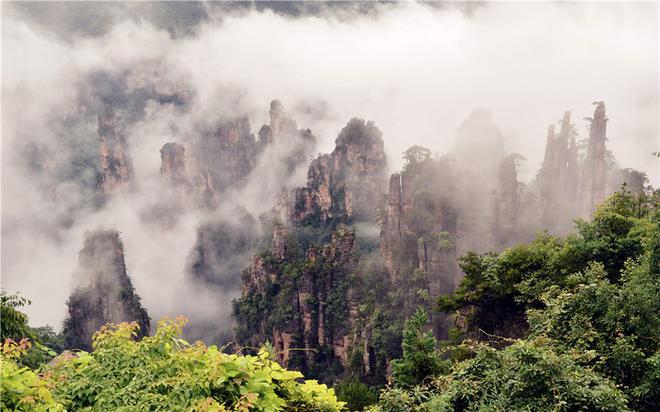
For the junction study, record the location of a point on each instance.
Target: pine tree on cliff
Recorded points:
(104, 294)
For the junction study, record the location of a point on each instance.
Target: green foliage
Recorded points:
(420, 357)
(14, 323)
(357, 131)
(526, 376)
(356, 394)
(498, 289)
(588, 302)
(21, 389)
(414, 155)
(271, 304)
(164, 372)
(613, 327)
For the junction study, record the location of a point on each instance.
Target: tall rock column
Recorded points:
(507, 204)
(391, 227)
(346, 185)
(173, 164)
(104, 294)
(116, 166)
(558, 179)
(594, 170)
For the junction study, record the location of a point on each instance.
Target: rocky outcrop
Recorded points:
(298, 293)
(507, 202)
(558, 178)
(221, 251)
(280, 126)
(419, 225)
(594, 169)
(116, 169)
(572, 184)
(346, 185)
(173, 164)
(479, 145)
(104, 292)
(222, 158)
(224, 155)
(305, 298)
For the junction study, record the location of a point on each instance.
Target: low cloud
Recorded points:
(417, 71)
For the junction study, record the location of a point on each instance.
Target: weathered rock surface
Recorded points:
(116, 169)
(507, 203)
(104, 292)
(298, 293)
(173, 164)
(222, 249)
(572, 183)
(306, 299)
(558, 178)
(419, 224)
(226, 153)
(345, 185)
(594, 170)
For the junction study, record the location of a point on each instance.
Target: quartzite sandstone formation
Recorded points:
(594, 170)
(225, 154)
(173, 164)
(116, 169)
(299, 294)
(345, 185)
(104, 293)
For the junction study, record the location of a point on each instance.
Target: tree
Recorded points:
(21, 389)
(420, 356)
(164, 372)
(416, 154)
(14, 323)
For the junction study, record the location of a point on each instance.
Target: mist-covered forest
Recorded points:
(327, 206)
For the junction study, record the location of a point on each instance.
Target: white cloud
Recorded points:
(417, 72)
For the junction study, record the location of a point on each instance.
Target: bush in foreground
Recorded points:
(166, 373)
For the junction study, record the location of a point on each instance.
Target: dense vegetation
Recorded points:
(161, 372)
(558, 324)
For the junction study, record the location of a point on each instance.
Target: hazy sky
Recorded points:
(417, 71)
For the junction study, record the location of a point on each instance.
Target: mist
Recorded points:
(417, 71)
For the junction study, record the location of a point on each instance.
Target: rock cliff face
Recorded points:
(116, 169)
(280, 125)
(507, 203)
(315, 287)
(104, 293)
(300, 293)
(305, 299)
(224, 155)
(345, 185)
(225, 241)
(222, 250)
(419, 228)
(594, 170)
(219, 159)
(571, 184)
(558, 178)
(173, 164)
